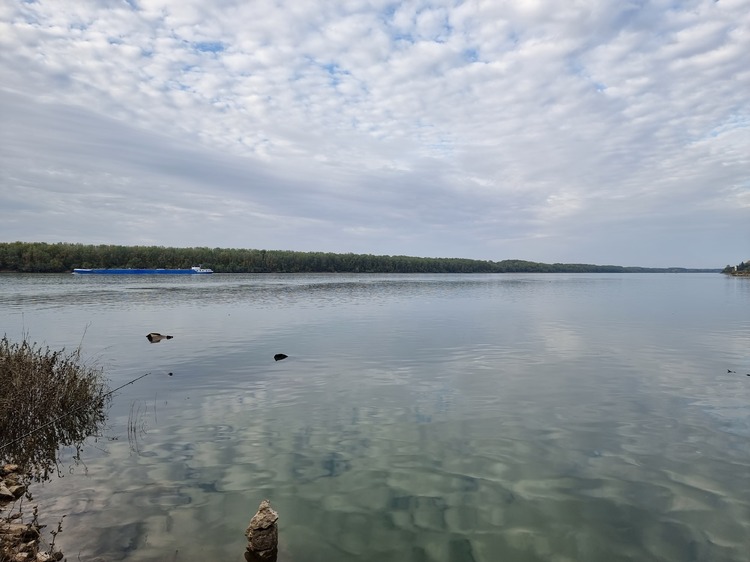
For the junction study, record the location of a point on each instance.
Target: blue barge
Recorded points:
(192, 271)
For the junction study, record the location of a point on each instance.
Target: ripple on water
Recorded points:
(162, 497)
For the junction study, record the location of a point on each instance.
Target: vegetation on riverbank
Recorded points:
(40, 257)
(740, 270)
(48, 400)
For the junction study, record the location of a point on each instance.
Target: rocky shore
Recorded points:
(19, 541)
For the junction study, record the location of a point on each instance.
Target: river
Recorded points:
(445, 418)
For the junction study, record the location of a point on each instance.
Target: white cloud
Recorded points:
(477, 129)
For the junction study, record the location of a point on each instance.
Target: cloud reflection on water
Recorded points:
(541, 418)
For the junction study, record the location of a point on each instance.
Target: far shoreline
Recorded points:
(63, 257)
(625, 270)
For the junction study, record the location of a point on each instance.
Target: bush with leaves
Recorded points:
(48, 400)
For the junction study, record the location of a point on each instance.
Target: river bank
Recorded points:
(20, 534)
(50, 399)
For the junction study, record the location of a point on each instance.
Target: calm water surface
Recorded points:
(444, 418)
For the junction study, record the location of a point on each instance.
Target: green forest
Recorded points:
(41, 257)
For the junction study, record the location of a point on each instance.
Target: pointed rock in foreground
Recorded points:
(262, 535)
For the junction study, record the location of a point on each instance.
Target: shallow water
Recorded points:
(436, 418)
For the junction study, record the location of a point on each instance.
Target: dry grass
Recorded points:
(48, 400)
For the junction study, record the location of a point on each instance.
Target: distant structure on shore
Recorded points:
(742, 269)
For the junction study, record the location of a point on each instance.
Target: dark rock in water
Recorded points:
(280, 356)
(262, 535)
(155, 337)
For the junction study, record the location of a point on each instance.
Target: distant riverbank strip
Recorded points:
(62, 257)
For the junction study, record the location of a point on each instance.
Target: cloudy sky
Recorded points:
(594, 131)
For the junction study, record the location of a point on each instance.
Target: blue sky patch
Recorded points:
(209, 46)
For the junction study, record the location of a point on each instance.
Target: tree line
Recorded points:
(42, 257)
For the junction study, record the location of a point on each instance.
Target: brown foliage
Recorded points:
(48, 399)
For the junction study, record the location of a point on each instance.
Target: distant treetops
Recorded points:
(41, 257)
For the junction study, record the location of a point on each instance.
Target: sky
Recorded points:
(577, 131)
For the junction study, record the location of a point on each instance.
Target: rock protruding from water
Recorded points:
(262, 535)
(155, 337)
(280, 356)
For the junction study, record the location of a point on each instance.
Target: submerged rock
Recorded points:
(262, 535)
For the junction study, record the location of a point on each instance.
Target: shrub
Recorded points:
(48, 400)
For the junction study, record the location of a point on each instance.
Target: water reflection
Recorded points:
(456, 418)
